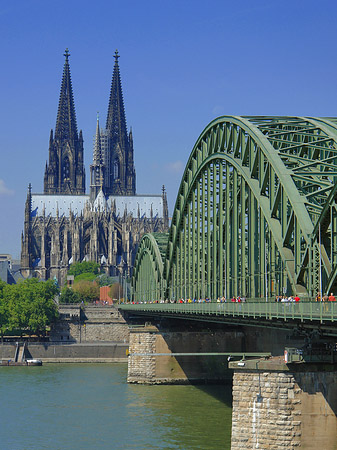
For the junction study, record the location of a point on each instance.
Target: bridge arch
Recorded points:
(256, 210)
(148, 282)
(250, 200)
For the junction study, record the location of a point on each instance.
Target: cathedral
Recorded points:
(64, 224)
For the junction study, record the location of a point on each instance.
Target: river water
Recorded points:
(90, 406)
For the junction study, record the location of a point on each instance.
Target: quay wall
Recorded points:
(80, 324)
(72, 353)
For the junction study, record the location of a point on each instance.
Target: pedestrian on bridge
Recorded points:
(332, 298)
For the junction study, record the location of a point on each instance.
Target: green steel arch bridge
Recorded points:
(255, 215)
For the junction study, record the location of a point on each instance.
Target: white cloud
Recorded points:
(4, 189)
(175, 166)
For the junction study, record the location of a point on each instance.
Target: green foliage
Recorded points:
(88, 290)
(105, 280)
(2, 285)
(28, 305)
(88, 276)
(4, 312)
(83, 267)
(69, 296)
(116, 291)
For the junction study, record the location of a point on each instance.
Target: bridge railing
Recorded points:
(313, 311)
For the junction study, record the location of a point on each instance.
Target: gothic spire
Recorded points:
(28, 207)
(116, 122)
(97, 159)
(66, 126)
(97, 168)
(65, 172)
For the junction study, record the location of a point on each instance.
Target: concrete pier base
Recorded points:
(278, 406)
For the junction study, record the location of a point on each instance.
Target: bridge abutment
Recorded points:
(284, 406)
(164, 356)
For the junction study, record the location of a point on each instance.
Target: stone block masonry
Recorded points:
(50, 352)
(293, 407)
(142, 369)
(82, 334)
(80, 324)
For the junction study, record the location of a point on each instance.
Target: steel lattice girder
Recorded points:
(247, 212)
(148, 278)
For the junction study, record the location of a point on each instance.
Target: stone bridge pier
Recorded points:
(177, 356)
(278, 406)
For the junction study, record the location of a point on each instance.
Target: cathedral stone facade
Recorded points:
(64, 225)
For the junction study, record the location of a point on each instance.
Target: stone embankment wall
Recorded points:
(72, 353)
(90, 324)
(81, 334)
(284, 410)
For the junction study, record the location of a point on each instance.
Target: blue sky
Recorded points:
(182, 63)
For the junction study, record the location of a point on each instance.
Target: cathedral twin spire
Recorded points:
(66, 126)
(113, 167)
(65, 173)
(120, 176)
(116, 122)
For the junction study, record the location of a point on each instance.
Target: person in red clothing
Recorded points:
(332, 298)
(296, 298)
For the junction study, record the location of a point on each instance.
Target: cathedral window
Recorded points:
(116, 169)
(66, 168)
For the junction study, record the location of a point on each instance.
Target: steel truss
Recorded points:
(255, 214)
(148, 280)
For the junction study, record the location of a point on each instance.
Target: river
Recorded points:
(90, 406)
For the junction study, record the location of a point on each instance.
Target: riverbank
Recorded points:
(55, 352)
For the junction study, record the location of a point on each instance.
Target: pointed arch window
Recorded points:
(66, 169)
(116, 169)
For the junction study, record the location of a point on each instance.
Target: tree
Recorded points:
(88, 290)
(87, 276)
(4, 312)
(116, 291)
(2, 286)
(69, 296)
(31, 305)
(104, 280)
(83, 267)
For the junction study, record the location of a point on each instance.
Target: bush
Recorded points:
(88, 290)
(85, 276)
(83, 267)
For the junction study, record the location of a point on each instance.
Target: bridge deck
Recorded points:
(316, 314)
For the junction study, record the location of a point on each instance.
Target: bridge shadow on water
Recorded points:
(221, 392)
(199, 356)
